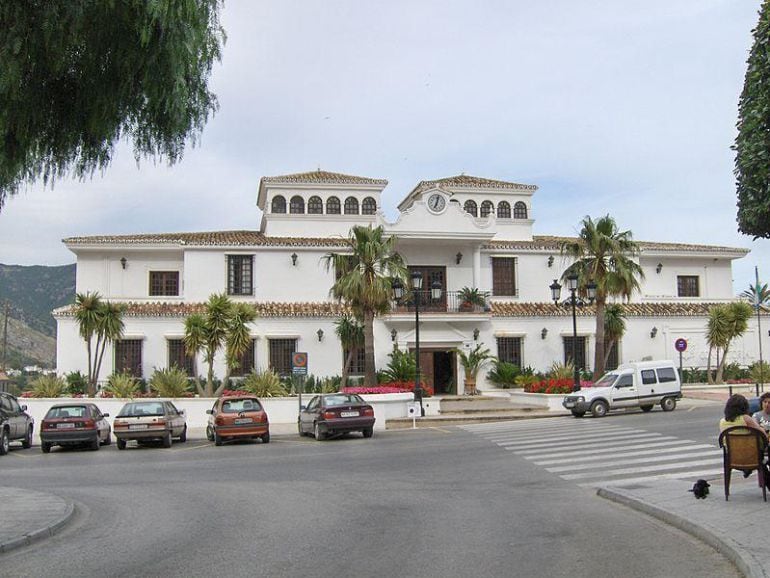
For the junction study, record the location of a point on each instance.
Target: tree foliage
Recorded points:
(99, 324)
(725, 323)
(603, 254)
(752, 145)
(78, 75)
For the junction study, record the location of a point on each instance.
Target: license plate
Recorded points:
(138, 426)
(243, 420)
(65, 426)
(569, 404)
(348, 414)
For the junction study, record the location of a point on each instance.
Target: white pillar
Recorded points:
(477, 267)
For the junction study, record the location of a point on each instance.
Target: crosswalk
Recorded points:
(599, 454)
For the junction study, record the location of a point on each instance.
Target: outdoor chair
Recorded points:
(743, 448)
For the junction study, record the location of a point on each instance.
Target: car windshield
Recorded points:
(607, 380)
(140, 409)
(239, 405)
(342, 399)
(63, 412)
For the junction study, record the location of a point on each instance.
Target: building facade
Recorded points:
(458, 232)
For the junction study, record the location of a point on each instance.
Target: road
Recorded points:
(438, 502)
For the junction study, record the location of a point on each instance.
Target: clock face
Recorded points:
(436, 203)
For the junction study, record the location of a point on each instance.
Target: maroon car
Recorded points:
(72, 424)
(336, 413)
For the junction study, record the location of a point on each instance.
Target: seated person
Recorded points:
(762, 417)
(737, 414)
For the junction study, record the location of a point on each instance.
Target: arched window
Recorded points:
(297, 205)
(351, 206)
(487, 208)
(520, 210)
(503, 210)
(333, 206)
(315, 206)
(279, 204)
(470, 207)
(369, 206)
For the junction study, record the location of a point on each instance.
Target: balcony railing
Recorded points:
(449, 302)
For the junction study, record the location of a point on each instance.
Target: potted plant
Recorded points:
(472, 361)
(470, 297)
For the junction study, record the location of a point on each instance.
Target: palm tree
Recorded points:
(758, 296)
(604, 255)
(726, 322)
(238, 338)
(614, 327)
(98, 319)
(472, 362)
(209, 331)
(364, 281)
(351, 335)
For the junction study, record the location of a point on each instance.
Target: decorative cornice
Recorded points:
(266, 309)
(207, 239)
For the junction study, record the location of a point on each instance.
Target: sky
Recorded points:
(619, 107)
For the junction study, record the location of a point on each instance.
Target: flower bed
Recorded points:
(391, 387)
(552, 386)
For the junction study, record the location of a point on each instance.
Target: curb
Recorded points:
(742, 559)
(40, 533)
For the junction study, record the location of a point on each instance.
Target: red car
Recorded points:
(237, 417)
(74, 424)
(336, 413)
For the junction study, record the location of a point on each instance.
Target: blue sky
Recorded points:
(620, 106)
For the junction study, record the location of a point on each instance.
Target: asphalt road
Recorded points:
(440, 502)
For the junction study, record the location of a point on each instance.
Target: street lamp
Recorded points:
(572, 285)
(435, 294)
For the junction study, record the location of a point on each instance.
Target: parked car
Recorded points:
(72, 424)
(146, 421)
(237, 418)
(15, 423)
(336, 413)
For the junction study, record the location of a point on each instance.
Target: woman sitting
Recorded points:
(763, 415)
(737, 414)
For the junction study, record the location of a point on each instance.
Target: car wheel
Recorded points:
(368, 432)
(167, 440)
(183, 437)
(300, 430)
(317, 433)
(218, 441)
(266, 438)
(209, 433)
(578, 413)
(27, 441)
(46, 447)
(121, 444)
(599, 409)
(668, 404)
(646, 408)
(108, 439)
(5, 442)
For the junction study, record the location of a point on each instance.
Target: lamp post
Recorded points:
(398, 294)
(572, 285)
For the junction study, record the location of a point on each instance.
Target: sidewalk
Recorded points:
(29, 516)
(735, 528)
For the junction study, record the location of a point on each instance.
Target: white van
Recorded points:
(642, 384)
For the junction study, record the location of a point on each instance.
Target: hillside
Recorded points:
(33, 292)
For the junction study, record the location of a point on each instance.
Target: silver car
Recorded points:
(146, 421)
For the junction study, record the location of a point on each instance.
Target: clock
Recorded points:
(436, 202)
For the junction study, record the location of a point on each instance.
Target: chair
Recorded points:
(743, 448)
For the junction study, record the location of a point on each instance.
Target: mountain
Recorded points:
(32, 292)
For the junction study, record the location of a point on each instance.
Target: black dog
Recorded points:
(700, 489)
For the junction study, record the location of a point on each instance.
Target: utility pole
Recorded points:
(5, 334)
(759, 326)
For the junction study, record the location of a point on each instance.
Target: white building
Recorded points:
(461, 231)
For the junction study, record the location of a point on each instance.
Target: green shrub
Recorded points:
(76, 382)
(561, 371)
(755, 373)
(735, 371)
(48, 386)
(503, 374)
(122, 385)
(264, 384)
(401, 367)
(170, 382)
(525, 379)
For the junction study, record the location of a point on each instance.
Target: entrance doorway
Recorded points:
(437, 369)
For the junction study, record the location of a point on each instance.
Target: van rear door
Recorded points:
(648, 387)
(625, 393)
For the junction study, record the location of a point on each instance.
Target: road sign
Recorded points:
(680, 344)
(299, 363)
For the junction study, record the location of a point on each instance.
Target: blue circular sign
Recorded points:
(680, 344)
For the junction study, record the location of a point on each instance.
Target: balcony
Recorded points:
(449, 302)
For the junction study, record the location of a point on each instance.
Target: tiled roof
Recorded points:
(206, 239)
(334, 309)
(469, 182)
(324, 177)
(268, 309)
(512, 309)
(550, 242)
